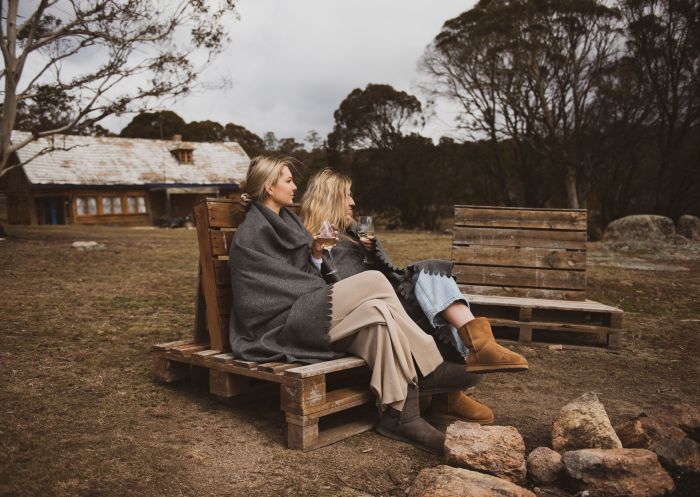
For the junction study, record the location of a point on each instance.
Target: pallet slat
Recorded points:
(221, 240)
(515, 292)
(503, 237)
(326, 367)
(520, 277)
(519, 257)
(550, 219)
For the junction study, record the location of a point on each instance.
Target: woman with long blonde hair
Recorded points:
(283, 310)
(426, 290)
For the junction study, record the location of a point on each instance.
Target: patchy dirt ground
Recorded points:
(80, 416)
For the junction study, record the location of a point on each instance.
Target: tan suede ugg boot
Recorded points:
(485, 355)
(458, 405)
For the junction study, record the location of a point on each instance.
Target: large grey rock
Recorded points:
(444, 481)
(495, 450)
(544, 465)
(640, 228)
(582, 424)
(689, 227)
(617, 472)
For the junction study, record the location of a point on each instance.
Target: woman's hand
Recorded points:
(369, 243)
(320, 243)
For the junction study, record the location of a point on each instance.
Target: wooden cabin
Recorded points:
(117, 181)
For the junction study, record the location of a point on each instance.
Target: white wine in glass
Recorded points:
(365, 229)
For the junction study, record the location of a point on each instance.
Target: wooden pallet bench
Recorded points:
(525, 270)
(308, 392)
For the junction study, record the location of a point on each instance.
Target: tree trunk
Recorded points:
(571, 190)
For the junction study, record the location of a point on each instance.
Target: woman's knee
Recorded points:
(374, 281)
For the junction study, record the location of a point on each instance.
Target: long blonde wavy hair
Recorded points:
(326, 198)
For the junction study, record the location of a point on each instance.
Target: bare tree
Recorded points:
(106, 56)
(526, 72)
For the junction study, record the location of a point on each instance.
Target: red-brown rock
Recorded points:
(444, 481)
(544, 465)
(678, 456)
(495, 450)
(617, 472)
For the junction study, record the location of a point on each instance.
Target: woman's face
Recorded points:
(281, 193)
(349, 204)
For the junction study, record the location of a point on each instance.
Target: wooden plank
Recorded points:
(564, 346)
(515, 292)
(218, 332)
(278, 367)
(225, 213)
(162, 347)
(188, 350)
(204, 356)
(224, 358)
(222, 273)
(221, 241)
(338, 433)
(543, 325)
(200, 332)
(575, 240)
(326, 367)
(519, 277)
(519, 257)
(245, 364)
(169, 371)
(586, 305)
(226, 384)
(551, 219)
(341, 399)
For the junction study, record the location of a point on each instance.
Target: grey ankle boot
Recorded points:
(408, 426)
(447, 377)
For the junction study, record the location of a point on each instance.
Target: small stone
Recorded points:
(617, 472)
(689, 227)
(444, 481)
(91, 245)
(544, 465)
(557, 346)
(495, 450)
(582, 424)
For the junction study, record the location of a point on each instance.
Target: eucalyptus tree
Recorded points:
(107, 56)
(526, 72)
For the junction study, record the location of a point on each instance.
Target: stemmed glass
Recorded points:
(365, 229)
(326, 237)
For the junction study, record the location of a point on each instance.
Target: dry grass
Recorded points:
(81, 417)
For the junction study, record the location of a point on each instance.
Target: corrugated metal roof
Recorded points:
(92, 160)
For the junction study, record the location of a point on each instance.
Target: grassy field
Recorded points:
(80, 416)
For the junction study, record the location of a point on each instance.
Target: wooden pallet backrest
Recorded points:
(216, 220)
(539, 253)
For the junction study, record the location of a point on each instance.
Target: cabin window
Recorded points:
(184, 156)
(86, 206)
(136, 205)
(111, 205)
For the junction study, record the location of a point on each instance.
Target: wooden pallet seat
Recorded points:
(308, 392)
(525, 270)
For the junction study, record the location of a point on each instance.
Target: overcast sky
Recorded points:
(291, 63)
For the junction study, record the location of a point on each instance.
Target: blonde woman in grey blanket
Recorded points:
(426, 290)
(284, 310)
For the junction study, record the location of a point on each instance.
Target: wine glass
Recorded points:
(326, 237)
(365, 229)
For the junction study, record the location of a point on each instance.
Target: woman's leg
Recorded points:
(366, 306)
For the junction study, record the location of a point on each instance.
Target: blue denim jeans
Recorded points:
(434, 294)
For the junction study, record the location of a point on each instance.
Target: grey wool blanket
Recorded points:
(281, 305)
